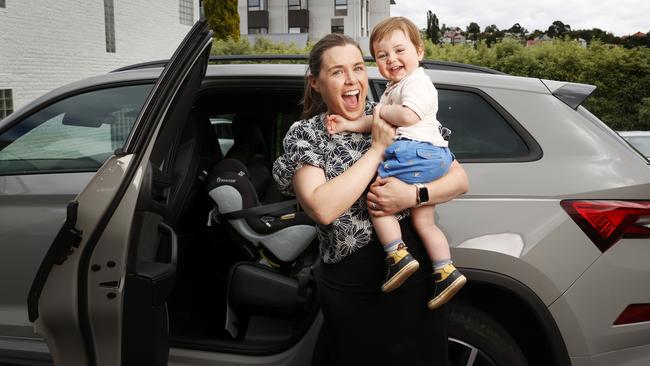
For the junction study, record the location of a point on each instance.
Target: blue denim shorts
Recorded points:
(415, 161)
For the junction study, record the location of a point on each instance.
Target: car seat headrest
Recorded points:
(233, 174)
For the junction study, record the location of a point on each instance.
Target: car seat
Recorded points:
(278, 231)
(251, 149)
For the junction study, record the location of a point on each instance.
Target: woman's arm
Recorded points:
(325, 200)
(391, 195)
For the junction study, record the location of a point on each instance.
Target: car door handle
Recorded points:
(165, 229)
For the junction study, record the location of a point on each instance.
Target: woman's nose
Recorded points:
(350, 77)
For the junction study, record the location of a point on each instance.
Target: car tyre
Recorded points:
(477, 339)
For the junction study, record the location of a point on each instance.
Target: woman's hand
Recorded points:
(389, 195)
(383, 133)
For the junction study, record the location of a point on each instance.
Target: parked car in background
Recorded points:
(639, 139)
(553, 234)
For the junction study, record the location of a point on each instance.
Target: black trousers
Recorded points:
(364, 326)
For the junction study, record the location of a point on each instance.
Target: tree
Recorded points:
(644, 115)
(518, 30)
(558, 29)
(223, 18)
(491, 29)
(433, 29)
(491, 34)
(473, 29)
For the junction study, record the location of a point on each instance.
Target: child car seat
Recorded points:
(277, 227)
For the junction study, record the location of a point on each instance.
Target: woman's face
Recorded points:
(342, 81)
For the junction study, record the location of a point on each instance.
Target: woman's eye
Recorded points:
(399, 51)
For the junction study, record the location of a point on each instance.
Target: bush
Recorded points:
(621, 75)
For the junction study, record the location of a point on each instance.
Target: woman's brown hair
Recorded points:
(312, 102)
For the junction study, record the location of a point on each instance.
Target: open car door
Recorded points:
(98, 298)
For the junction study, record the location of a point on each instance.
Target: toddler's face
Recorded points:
(397, 56)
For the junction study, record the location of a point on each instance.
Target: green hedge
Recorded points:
(622, 99)
(622, 76)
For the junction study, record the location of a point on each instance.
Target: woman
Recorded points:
(330, 175)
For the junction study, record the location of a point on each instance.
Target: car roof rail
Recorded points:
(427, 64)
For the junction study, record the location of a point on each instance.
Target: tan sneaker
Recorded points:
(447, 282)
(401, 265)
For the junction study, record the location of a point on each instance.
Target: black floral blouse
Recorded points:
(307, 142)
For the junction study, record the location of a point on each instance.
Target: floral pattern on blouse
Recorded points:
(307, 142)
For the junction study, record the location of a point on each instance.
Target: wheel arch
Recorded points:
(520, 311)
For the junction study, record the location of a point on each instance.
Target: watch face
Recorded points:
(424, 194)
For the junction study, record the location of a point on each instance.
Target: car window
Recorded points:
(222, 124)
(479, 130)
(284, 122)
(75, 134)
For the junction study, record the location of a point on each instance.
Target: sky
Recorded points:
(621, 17)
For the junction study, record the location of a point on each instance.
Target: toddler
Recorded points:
(419, 154)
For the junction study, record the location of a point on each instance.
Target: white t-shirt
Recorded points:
(416, 91)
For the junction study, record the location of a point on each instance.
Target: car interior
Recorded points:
(243, 251)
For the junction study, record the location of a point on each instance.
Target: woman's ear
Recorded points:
(313, 82)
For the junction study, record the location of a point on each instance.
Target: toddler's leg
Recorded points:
(447, 279)
(433, 238)
(400, 263)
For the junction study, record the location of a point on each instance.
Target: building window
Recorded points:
(3, 4)
(6, 100)
(258, 30)
(340, 7)
(297, 4)
(256, 5)
(186, 11)
(109, 25)
(337, 25)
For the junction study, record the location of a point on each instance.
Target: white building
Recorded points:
(45, 44)
(300, 20)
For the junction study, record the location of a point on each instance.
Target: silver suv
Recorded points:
(554, 233)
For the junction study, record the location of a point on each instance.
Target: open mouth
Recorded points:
(351, 99)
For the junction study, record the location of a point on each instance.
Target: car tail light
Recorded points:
(605, 222)
(634, 313)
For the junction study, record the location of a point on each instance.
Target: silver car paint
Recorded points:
(32, 209)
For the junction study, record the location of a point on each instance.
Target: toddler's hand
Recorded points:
(335, 124)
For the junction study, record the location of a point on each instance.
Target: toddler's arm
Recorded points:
(398, 115)
(336, 124)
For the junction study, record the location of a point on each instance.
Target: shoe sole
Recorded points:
(447, 294)
(401, 276)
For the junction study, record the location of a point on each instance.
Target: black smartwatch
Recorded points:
(421, 194)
